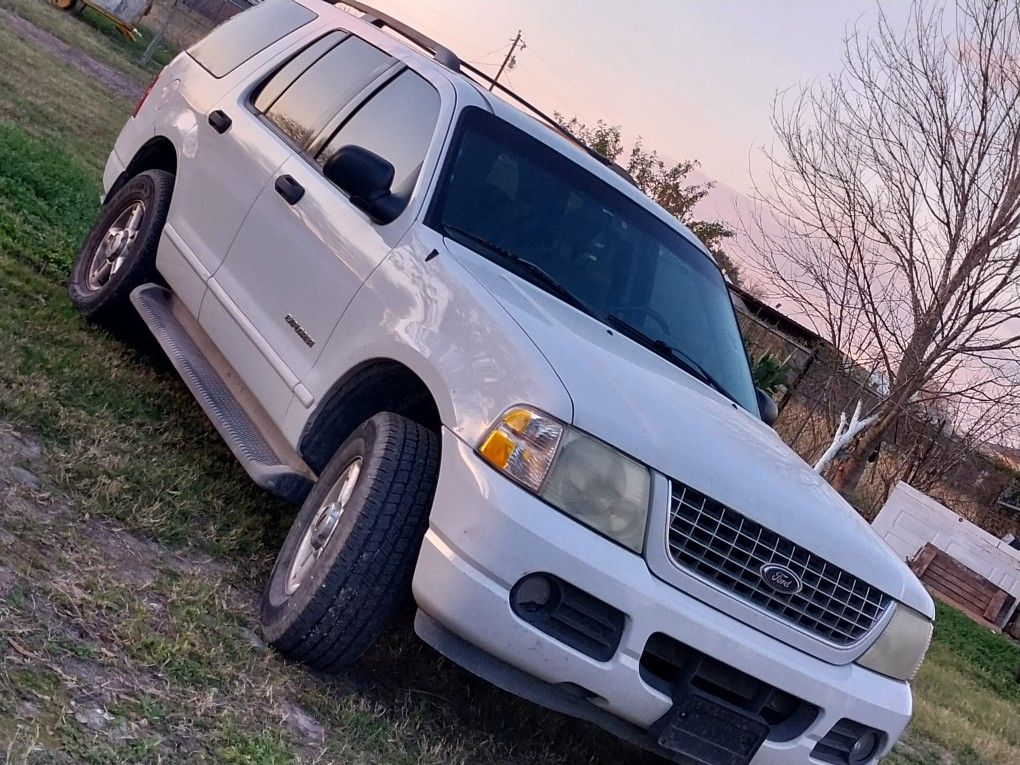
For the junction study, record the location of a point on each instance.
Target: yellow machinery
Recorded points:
(124, 13)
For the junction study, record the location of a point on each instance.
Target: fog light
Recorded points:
(534, 592)
(568, 614)
(864, 748)
(849, 743)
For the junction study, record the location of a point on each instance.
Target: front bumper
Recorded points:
(486, 533)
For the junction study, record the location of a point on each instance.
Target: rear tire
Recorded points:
(345, 568)
(119, 253)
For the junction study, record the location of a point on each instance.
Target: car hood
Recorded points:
(647, 407)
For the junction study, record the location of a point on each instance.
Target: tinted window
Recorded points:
(279, 82)
(511, 197)
(397, 124)
(325, 87)
(238, 39)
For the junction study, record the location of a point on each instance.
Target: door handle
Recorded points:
(289, 189)
(220, 121)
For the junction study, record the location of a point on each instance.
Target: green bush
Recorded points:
(769, 373)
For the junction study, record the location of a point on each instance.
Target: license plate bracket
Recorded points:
(711, 731)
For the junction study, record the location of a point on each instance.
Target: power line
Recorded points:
(569, 83)
(491, 52)
(475, 31)
(480, 62)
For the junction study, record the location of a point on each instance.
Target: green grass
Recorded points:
(967, 699)
(986, 657)
(47, 200)
(126, 444)
(48, 100)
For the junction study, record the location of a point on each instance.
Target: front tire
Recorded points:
(119, 253)
(346, 565)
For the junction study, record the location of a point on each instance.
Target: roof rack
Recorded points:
(450, 60)
(440, 53)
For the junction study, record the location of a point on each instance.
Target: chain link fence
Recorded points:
(921, 448)
(172, 25)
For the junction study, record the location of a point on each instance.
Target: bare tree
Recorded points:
(896, 187)
(845, 433)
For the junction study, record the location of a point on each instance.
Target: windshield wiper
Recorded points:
(538, 274)
(670, 352)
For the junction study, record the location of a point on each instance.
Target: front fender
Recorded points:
(436, 319)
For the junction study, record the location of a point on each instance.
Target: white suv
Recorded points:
(495, 374)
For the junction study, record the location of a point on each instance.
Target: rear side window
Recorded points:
(397, 123)
(250, 32)
(322, 87)
(284, 77)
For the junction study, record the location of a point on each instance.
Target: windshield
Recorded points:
(521, 203)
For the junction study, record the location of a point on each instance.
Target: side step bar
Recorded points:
(242, 423)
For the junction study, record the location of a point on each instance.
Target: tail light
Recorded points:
(145, 95)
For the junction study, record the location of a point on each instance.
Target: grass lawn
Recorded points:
(966, 697)
(128, 447)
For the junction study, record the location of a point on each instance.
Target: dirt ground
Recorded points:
(108, 77)
(76, 648)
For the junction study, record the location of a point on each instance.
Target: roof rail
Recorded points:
(440, 53)
(450, 60)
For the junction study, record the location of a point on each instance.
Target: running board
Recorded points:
(243, 424)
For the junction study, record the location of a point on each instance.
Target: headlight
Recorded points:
(522, 444)
(580, 475)
(901, 647)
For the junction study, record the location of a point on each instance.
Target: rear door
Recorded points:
(225, 160)
(298, 259)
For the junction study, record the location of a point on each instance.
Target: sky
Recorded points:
(695, 78)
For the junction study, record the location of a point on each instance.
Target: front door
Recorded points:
(304, 250)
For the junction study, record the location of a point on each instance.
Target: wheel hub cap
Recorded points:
(115, 245)
(322, 526)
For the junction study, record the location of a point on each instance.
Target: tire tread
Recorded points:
(109, 307)
(371, 575)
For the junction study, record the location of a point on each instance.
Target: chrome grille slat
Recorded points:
(752, 573)
(728, 549)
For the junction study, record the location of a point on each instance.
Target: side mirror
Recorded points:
(767, 406)
(366, 178)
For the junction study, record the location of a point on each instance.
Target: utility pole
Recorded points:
(509, 60)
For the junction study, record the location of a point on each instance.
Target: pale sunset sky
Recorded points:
(695, 78)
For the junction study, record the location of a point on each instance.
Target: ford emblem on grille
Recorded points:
(780, 578)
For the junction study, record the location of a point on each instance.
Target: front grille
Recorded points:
(728, 549)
